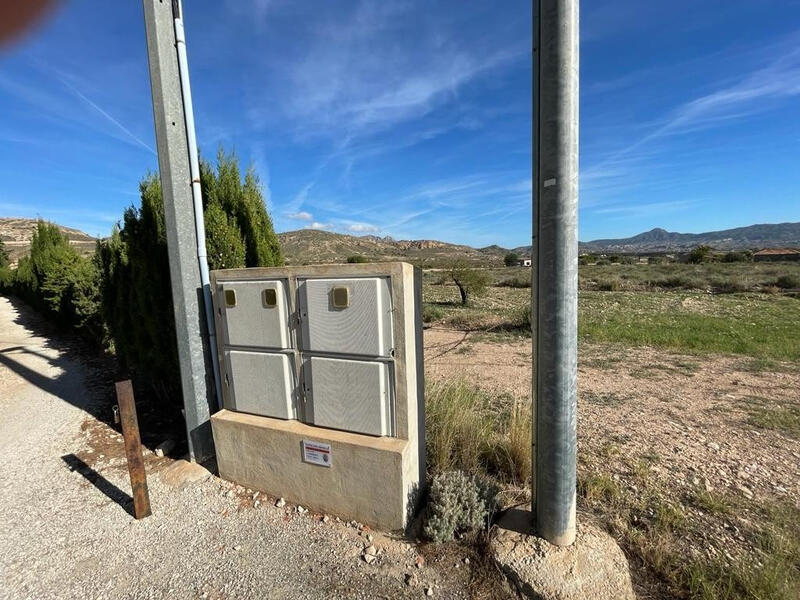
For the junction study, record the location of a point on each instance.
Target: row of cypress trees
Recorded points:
(120, 297)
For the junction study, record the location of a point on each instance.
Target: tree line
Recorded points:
(120, 298)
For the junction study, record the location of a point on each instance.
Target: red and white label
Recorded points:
(317, 453)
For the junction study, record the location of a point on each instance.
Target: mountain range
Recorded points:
(312, 246)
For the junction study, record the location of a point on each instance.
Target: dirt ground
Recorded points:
(681, 424)
(690, 410)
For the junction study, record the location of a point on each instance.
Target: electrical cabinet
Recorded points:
(318, 347)
(255, 313)
(354, 395)
(261, 383)
(322, 384)
(346, 315)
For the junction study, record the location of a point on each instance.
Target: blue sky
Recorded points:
(413, 119)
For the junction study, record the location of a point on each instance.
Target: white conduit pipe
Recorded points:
(199, 223)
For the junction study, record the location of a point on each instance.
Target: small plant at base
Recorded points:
(458, 503)
(431, 313)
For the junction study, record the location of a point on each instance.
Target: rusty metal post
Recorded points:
(133, 449)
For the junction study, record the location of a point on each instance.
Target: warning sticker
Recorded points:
(317, 453)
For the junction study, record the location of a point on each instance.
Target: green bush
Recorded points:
(515, 282)
(701, 254)
(511, 259)
(3, 255)
(136, 293)
(732, 257)
(431, 313)
(56, 280)
(609, 285)
(357, 259)
(458, 503)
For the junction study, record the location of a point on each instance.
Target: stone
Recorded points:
(183, 473)
(466, 561)
(369, 537)
(325, 518)
(256, 504)
(280, 503)
(409, 579)
(593, 567)
(369, 559)
(301, 510)
(229, 494)
(420, 561)
(714, 446)
(429, 591)
(371, 550)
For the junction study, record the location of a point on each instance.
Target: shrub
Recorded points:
(458, 503)
(788, 282)
(515, 282)
(357, 258)
(511, 259)
(431, 313)
(3, 255)
(520, 318)
(609, 285)
(470, 282)
(677, 281)
(732, 257)
(56, 280)
(729, 286)
(701, 254)
(243, 202)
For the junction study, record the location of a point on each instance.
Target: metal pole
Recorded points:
(173, 166)
(555, 268)
(197, 196)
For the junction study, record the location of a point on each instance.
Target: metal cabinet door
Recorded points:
(262, 383)
(353, 395)
(346, 316)
(255, 313)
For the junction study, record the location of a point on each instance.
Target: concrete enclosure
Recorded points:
(323, 386)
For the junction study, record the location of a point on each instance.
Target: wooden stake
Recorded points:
(133, 449)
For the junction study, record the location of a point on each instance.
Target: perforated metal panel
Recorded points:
(346, 316)
(256, 314)
(353, 395)
(261, 383)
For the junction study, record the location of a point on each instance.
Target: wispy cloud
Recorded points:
(362, 228)
(358, 73)
(301, 216)
(317, 225)
(755, 93)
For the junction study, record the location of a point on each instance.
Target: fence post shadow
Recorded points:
(101, 483)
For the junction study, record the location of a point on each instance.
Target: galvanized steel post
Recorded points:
(176, 188)
(555, 268)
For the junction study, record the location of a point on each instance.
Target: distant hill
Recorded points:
(308, 246)
(17, 233)
(740, 238)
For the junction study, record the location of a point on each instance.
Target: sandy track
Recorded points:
(66, 534)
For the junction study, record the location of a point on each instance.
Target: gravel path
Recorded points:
(66, 533)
